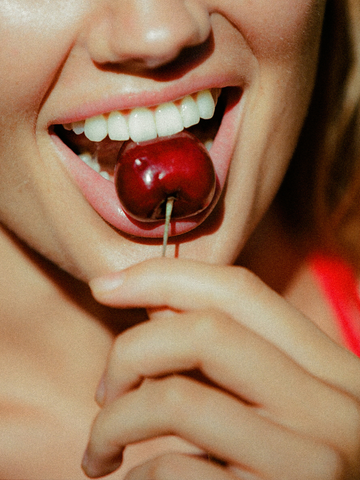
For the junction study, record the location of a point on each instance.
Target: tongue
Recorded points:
(176, 167)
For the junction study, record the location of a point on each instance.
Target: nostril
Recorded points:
(146, 33)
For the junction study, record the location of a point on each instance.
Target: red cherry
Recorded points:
(149, 173)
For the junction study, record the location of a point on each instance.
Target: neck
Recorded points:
(272, 254)
(49, 320)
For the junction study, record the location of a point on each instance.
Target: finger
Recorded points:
(239, 361)
(186, 285)
(226, 352)
(182, 467)
(210, 419)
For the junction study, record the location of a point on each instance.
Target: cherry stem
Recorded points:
(168, 212)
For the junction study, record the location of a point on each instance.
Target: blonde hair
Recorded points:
(322, 187)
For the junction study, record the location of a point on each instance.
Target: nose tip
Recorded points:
(150, 33)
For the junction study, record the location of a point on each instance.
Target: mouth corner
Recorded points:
(92, 165)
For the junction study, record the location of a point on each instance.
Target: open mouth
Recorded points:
(97, 140)
(90, 148)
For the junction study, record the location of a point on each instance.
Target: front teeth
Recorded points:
(143, 124)
(189, 111)
(96, 128)
(168, 120)
(118, 128)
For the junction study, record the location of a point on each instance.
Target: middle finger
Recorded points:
(235, 359)
(212, 420)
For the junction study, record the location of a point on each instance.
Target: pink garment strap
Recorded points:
(340, 286)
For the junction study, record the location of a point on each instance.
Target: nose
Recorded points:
(146, 32)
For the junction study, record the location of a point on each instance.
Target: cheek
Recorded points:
(278, 29)
(35, 37)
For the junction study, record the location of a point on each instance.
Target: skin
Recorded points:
(264, 370)
(63, 76)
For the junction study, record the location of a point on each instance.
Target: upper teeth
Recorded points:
(141, 124)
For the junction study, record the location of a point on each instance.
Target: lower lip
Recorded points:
(101, 194)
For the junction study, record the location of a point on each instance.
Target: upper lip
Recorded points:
(141, 124)
(130, 100)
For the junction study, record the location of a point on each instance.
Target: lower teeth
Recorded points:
(105, 175)
(91, 161)
(208, 144)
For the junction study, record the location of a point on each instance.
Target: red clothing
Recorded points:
(341, 288)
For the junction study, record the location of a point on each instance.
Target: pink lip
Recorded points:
(145, 99)
(101, 194)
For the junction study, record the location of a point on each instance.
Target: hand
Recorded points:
(278, 400)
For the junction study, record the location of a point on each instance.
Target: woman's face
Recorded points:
(65, 61)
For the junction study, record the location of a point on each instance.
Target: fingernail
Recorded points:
(90, 469)
(100, 392)
(107, 284)
(94, 469)
(85, 461)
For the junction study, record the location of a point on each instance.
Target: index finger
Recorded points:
(188, 285)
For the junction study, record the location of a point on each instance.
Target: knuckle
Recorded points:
(334, 465)
(122, 352)
(328, 464)
(124, 358)
(322, 463)
(162, 467)
(246, 277)
(175, 393)
(249, 284)
(209, 326)
(169, 395)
